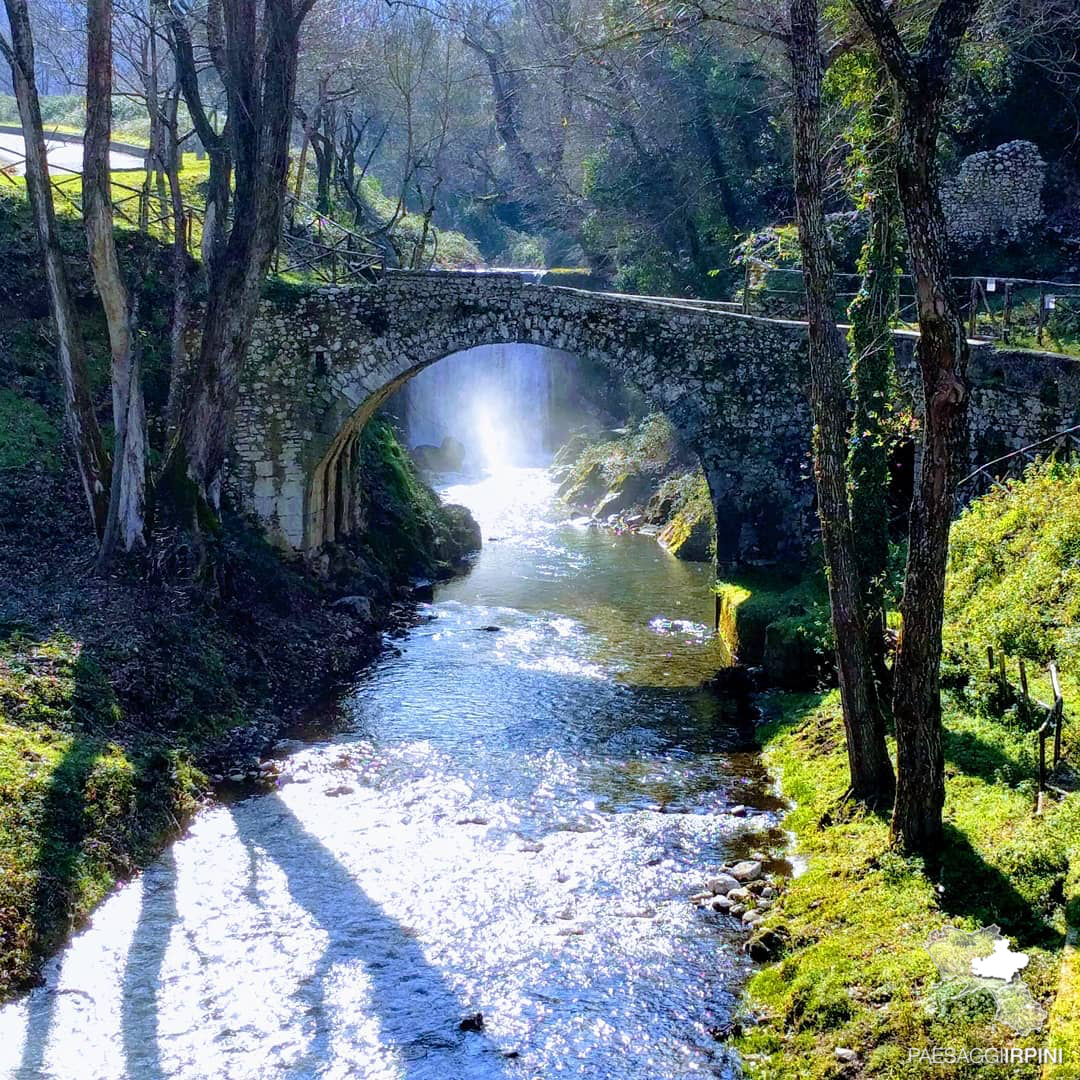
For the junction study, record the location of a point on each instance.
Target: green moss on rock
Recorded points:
(691, 532)
(779, 621)
(408, 532)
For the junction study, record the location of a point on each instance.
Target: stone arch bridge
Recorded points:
(734, 386)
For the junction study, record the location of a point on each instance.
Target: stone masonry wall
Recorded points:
(322, 362)
(734, 386)
(996, 197)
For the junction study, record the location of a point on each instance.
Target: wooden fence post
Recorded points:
(1024, 696)
(1059, 711)
(746, 289)
(1006, 316)
(1040, 737)
(974, 312)
(1042, 315)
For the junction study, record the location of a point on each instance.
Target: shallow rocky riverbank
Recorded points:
(640, 479)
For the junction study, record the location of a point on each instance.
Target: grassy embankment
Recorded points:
(119, 699)
(852, 973)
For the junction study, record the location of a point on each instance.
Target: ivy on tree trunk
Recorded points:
(872, 375)
(922, 82)
(868, 759)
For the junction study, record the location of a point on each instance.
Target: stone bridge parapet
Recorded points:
(734, 386)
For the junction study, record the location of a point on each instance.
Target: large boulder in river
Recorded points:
(447, 457)
(584, 488)
(459, 535)
(690, 535)
(627, 491)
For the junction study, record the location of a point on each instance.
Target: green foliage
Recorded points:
(570, 277)
(1014, 569)
(409, 532)
(27, 434)
(651, 446)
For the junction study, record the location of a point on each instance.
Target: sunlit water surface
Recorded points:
(506, 822)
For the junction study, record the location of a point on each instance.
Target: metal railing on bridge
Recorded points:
(1011, 310)
(1062, 446)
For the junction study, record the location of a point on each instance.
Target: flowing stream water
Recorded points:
(498, 821)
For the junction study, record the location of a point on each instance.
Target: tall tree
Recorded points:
(868, 759)
(126, 519)
(922, 81)
(82, 425)
(872, 355)
(256, 57)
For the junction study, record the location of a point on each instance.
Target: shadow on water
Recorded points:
(64, 826)
(409, 994)
(142, 971)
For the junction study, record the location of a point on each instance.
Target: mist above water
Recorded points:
(496, 400)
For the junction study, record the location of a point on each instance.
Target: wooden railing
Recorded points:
(1053, 716)
(312, 245)
(1065, 445)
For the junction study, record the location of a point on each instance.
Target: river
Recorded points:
(505, 816)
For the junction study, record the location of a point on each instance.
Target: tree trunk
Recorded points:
(260, 111)
(871, 770)
(323, 149)
(82, 425)
(943, 356)
(923, 83)
(872, 379)
(180, 360)
(125, 522)
(216, 145)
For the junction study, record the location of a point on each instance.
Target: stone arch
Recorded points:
(322, 362)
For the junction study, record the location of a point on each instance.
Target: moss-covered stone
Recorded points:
(405, 530)
(643, 475)
(584, 487)
(627, 491)
(691, 532)
(797, 604)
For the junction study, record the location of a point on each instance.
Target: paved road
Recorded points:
(64, 155)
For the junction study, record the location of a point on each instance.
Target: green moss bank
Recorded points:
(778, 621)
(853, 972)
(847, 987)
